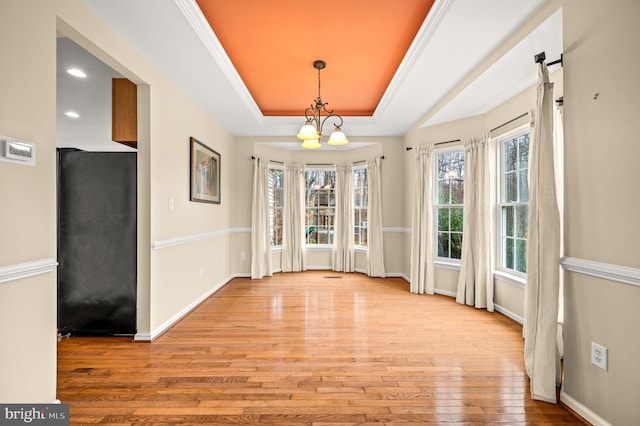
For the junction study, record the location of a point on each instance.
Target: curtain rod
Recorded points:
(364, 161)
(253, 157)
(541, 57)
(409, 148)
(509, 122)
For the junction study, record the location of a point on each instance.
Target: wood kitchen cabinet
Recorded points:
(124, 112)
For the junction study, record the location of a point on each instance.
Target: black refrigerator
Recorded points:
(97, 242)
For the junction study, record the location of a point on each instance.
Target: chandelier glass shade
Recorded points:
(316, 116)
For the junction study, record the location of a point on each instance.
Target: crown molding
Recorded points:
(200, 25)
(428, 28)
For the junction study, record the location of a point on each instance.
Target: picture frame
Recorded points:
(204, 173)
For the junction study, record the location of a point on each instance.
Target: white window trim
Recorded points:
(444, 262)
(512, 277)
(324, 167)
(272, 166)
(318, 247)
(509, 275)
(360, 248)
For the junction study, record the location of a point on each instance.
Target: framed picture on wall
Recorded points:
(205, 173)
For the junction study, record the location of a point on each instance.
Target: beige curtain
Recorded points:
(475, 282)
(343, 251)
(543, 251)
(260, 228)
(375, 250)
(422, 222)
(293, 256)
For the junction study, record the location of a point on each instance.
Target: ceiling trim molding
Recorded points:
(201, 26)
(428, 28)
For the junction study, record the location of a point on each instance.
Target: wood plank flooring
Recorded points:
(310, 349)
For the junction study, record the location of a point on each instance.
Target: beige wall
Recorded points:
(169, 279)
(392, 195)
(27, 112)
(602, 204)
(600, 154)
(508, 297)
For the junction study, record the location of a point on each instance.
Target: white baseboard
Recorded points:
(142, 337)
(242, 275)
(508, 313)
(178, 316)
(398, 275)
(444, 292)
(582, 410)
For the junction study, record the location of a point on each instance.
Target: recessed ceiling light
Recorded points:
(76, 72)
(72, 114)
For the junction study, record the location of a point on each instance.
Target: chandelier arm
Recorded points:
(329, 116)
(310, 114)
(324, 108)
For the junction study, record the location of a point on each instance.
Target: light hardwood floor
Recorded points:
(310, 349)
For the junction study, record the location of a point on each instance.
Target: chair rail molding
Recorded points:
(160, 244)
(27, 269)
(621, 274)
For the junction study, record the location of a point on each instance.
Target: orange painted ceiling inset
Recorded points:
(272, 45)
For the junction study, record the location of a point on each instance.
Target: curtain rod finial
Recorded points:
(540, 57)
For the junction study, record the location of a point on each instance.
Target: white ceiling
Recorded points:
(90, 97)
(455, 39)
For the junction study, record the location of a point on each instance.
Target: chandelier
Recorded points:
(316, 115)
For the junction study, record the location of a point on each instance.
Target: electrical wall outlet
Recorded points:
(599, 356)
(243, 255)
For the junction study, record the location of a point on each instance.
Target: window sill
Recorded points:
(512, 279)
(276, 249)
(318, 247)
(443, 264)
(329, 247)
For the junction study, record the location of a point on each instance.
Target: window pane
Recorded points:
(456, 219)
(515, 196)
(457, 191)
(444, 187)
(523, 152)
(523, 185)
(510, 187)
(521, 256)
(443, 165)
(510, 155)
(457, 164)
(443, 244)
(450, 191)
(522, 221)
(456, 246)
(507, 221)
(357, 199)
(443, 219)
(508, 253)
